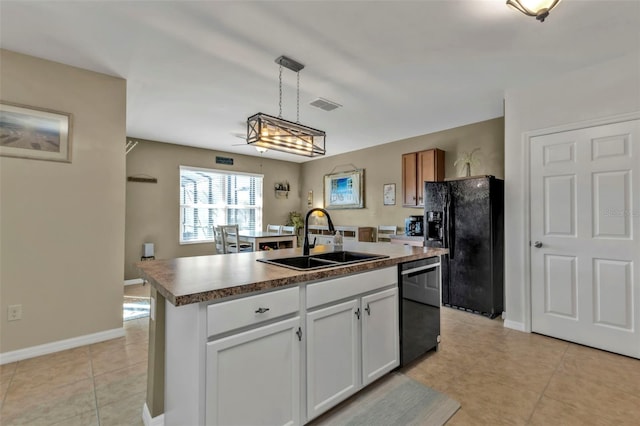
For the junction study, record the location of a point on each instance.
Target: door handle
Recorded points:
(537, 244)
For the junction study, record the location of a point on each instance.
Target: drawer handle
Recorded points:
(262, 310)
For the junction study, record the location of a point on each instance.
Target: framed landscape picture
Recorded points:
(344, 190)
(34, 133)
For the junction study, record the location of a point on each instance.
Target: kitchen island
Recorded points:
(255, 343)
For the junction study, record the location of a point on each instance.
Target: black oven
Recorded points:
(419, 307)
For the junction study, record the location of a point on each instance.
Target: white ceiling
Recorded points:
(196, 70)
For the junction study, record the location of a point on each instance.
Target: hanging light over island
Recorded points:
(269, 132)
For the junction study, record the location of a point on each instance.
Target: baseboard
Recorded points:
(60, 345)
(514, 325)
(151, 421)
(134, 281)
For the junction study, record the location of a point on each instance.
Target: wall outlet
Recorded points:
(14, 312)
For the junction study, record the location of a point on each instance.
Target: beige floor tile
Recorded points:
(45, 376)
(6, 374)
(118, 358)
(127, 411)
(121, 384)
(529, 374)
(487, 399)
(76, 355)
(552, 412)
(587, 395)
(89, 418)
(54, 405)
(606, 368)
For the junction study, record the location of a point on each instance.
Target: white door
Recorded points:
(333, 356)
(253, 378)
(585, 236)
(380, 334)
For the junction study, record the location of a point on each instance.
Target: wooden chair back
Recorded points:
(231, 241)
(274, 228)
(288, 229)
(384, 232)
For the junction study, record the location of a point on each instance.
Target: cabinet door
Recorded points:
(253, 378)
(380, 334)
(333, 356)
(425, 171)
(409, 189)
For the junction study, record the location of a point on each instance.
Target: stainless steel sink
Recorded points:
(322, 260)
(347, 256)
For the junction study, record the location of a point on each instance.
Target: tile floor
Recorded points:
(101, 384)
(499, 376)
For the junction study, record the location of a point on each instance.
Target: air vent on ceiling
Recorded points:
(325, 104)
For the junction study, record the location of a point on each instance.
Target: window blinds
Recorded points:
(210, 198)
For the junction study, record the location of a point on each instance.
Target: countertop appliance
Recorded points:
(419, 307)
(466, 216)
(413, 226)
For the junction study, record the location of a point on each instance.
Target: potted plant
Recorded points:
(296, 219)
(466, 160)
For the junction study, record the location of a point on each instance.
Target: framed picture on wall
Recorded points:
(344, 190)
(34, 133)
(389, 194)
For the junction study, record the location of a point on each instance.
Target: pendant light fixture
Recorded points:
(538, 8)
(276, 133)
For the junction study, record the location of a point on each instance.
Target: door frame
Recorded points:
(526, 191)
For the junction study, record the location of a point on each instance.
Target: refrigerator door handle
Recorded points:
(449, 243)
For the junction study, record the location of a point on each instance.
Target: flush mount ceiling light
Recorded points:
(276, 133)
(538, 8)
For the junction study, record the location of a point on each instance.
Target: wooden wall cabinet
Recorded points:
(418, 167)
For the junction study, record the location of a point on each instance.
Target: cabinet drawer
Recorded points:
(352, 285)
(226, 316)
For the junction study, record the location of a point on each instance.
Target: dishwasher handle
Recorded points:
(420, 268)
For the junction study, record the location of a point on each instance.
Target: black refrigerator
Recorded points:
(466, 216)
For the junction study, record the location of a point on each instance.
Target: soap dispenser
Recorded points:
(337, 241)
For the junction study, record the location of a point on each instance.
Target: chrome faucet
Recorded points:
(305, 246)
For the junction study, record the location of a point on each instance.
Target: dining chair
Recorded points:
(274, 228)
(231, 241)
(288, 229)
(385, 231)
(217, 236)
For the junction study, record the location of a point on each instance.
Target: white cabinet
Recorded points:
(352, 342)
(380, 335)
(281, 357)
(333, 356)
(253, 378)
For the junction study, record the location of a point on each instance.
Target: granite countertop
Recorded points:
(187, 280)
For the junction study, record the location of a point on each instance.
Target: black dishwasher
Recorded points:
(419, 307)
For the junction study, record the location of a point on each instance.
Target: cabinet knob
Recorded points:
(357, 312)
(368, 309)
(261, 310)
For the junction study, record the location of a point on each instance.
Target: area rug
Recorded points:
(135, 307)
(394, 400)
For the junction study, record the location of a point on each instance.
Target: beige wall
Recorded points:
(61, 224)
(153, 215)
(383, 164)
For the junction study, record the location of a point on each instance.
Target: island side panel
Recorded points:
(185, 335)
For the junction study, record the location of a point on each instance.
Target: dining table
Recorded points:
(265, 240)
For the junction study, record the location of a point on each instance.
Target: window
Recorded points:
(210, 198)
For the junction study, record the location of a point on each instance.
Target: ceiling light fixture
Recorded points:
(279, 134)
(538, 8)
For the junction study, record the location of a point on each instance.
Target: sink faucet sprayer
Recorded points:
(305, 246)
